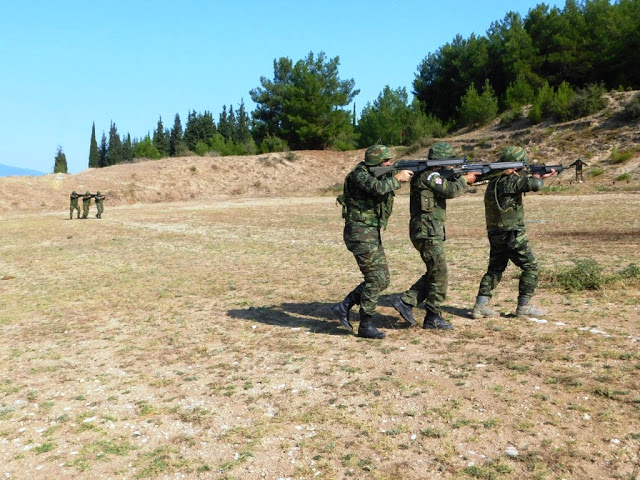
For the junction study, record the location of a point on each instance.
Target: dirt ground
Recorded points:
(187, 334)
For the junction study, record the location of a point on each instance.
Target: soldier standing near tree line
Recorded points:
(578, 164)
(428, 207)
(73, 204)
(86, 203)
(367, 203)
(504, 214)
(99, 199)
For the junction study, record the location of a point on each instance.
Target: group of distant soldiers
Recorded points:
(86, 203)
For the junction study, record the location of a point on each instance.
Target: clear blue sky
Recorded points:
(65, 64)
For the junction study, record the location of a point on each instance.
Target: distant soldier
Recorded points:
(578, 164)
(73, 204)
(86, 203)
(99, 199)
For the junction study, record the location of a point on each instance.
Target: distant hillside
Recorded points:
(314, 173)
(7, 171)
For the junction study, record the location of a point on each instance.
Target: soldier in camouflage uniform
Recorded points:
(428, 206)
(73, 204)
(504, 215)
(99, 199)
(367, 204)
(86, 203)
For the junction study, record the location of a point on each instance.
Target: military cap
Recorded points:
(441, 150)
(514, 154)
(376, 154)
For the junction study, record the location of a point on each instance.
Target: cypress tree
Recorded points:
(114, 151)
(161, 139)
(93, 148)
(102, 152)
(176, 147)
(60, 163)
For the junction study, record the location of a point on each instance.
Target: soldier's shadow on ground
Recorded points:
(315, 317)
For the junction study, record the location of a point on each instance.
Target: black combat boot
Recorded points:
(341, 310)
(434, 321)
(367, 330)
(404, 309)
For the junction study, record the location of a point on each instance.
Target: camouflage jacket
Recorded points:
(368, 199)
(428, 204)
(99, 199)
(503, 201)
(73, 198)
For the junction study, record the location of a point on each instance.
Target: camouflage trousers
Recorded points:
(72, 208)
(100, 208)
(365, 243)
(510, 245)
(85, 210)
(431, 288)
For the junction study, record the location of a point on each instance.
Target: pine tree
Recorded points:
(60, 163)
(127, 148)
(224, 125)
(93, 148)
(102, 152)
(161, 139)
(243, 127)
(176, 145)
(114, 151)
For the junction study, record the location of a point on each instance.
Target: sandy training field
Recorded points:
(194, 340)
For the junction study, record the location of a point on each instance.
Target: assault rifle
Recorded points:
(417, 166)
(484, 170)
(461, 166)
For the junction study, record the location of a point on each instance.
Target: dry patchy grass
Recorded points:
(195, 340)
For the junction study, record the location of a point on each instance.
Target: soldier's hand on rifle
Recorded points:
(470, 177)
(404, 175)
(546, 175)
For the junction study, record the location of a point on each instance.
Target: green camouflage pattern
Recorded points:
(441, 150)
(365, 243)
(504, 213)
(514, 154)
(99, 199)
(509, 245)
(369, 199)
(503, 207)
(73, 204)
(86, 203)
(428, 205)
(368, 203)
(376, 154)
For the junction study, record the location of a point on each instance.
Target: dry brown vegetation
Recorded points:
(187, 334)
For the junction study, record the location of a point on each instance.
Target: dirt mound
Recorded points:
(304, 173)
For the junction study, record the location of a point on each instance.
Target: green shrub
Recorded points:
(271, 143)
(631, 271)
(623, 177)
(595, 172)
(518, 93)
(620, 157)
(510, 116)
(478, 109)
(588, 101)
(560, 102)
(585, 275)
(631, 110)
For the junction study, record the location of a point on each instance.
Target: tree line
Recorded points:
(559, 61)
